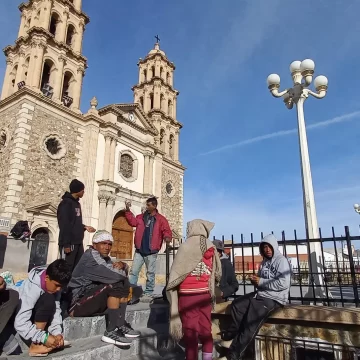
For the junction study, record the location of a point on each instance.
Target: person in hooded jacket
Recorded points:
(38, 320)
(71, 225)
(191, 290)
(251, 310)
(228, 285)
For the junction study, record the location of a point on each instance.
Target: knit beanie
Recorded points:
(76, 186)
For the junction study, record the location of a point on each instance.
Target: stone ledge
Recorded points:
(306, 313)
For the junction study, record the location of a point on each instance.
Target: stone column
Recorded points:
(77, 4)
(167, 139)
(79, 37)
(151, 173)
(20, 70)
(38, 64)
(157, 96)
(5, 88)
(103, 198)
(45, 16)
(90, 143)
(112, 159)
(174, 108)
(146, 172)
(109, 213)
(22, 26)
(146, 100)
(77, 88)
(106, 158)
(58, 78)
(62, 25)
(176, 145)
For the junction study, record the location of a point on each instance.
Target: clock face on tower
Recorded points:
(131, 117)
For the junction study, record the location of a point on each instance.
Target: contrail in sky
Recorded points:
(335, 120)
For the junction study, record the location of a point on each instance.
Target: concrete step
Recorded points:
(141, 315)
(150, 343)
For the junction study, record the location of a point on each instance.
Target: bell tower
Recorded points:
(47, 55)
(157, 96)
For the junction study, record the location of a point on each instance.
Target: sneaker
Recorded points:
(116, 337)
(129, 332)
(147, 298)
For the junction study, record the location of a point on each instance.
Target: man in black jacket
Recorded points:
(71, 225)
(228, 284)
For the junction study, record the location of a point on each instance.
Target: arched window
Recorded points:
(67, 82)
(70, 35)
(170, 107)
(168, 78)
(162, 139)
(171, 146)
(151, 101)
(28, 23)
(153, 71)
(54, 23)
(46, 74)
(142, 101)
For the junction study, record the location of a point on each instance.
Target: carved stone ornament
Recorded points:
(4, 139)
(128, 165)
(54, 147)
(170, 189)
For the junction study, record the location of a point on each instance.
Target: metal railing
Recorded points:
(338, 267)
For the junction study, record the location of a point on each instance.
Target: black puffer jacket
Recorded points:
(228, 284)
(70, 221)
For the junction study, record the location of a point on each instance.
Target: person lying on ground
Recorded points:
(228, 284)
(99, 286)
(39, 320)
(272, 292)
(191, 290)
(9, 300)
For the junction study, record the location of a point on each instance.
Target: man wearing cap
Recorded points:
(228, 284)
(70, 224)
(100, 286)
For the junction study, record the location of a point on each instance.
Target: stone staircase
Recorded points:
(85, 336)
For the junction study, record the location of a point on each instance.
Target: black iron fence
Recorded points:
(324, 271)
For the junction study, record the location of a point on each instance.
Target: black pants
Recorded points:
(248, 314)
(9, 300)
(74, 256)
(44, 309)
(94, 302)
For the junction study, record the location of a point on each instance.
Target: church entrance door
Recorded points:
(123, 235)
(39, 248)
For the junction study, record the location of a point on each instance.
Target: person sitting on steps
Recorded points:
(39, 320)
(99, 286)
(251, 310)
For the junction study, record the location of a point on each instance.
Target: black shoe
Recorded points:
(227, 336)
(116, 337)
(129, 332)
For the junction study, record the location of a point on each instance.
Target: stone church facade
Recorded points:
(121, 151)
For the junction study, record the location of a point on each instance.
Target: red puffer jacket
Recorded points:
(160, 232)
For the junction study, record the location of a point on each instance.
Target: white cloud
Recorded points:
(322, 124)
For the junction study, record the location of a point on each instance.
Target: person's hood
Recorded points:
(199, 227)
(67, 195)
(273, 242)
(224, 257)
(34, 275)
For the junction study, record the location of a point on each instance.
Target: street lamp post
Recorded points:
(302, 74)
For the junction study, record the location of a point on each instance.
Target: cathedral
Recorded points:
(121, 151)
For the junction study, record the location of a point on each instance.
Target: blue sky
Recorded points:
(238, 175)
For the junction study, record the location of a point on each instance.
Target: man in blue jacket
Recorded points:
(272, 291)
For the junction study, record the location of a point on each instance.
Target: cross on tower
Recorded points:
(157, 38)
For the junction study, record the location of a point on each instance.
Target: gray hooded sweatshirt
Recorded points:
(30, 292)
(275, 274)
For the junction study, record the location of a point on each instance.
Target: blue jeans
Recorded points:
(150, 264)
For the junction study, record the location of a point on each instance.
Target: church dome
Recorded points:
(156, 50)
